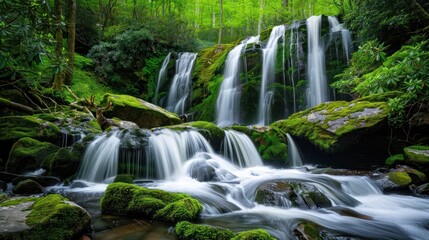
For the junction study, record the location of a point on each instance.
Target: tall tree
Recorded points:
(219, 40)
(71, 41)
(59, 75)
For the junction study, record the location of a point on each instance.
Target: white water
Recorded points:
(239, 149)
(100, 160)
(162, 77)
(228, 193)
(294, 156)
(268, 74)
(346, 38)
(181, 86)
(317, 91)
(228, 100)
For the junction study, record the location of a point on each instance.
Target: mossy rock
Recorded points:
(401, 179)
(288, 194)
(28, 187)
(132, 200)
(209, 130)
(144, 114)
(333, 126)
(417, 155)
(395, 159)
(16, 127)
(189, 231)
(27, 154)
(307, 230)
(256, 234)
(64, 163)
(124, 178)
(270, 142)
(51, 217)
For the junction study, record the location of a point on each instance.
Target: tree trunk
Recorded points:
(59, 76)
(219, 40)
(71, 41)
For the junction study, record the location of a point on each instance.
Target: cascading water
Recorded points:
(228, 101)
(317, 91)
(238, 148)
(162, 77)
(169, 150)
(294, 156)
(268, 74)
(346, 38)
(181, 86)
(100, 161)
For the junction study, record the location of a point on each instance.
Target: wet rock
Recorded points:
(400, 178)
(186, 230)
(28, 187)
(422, 189)
(144, 114)
(45, 181)
(395, 159)
(333, 126)
(307, 231)
(291, 194)
(125, 178)
(78, 184)
(13, 128)
(51, 217)
(417, 155)
(203, 173)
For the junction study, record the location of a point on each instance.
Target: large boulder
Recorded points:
(28, 187)
(128, 199)
(144, 114)
(329, 133)
(417, 155)
(51, 217)
(16, 127)
(27, 154)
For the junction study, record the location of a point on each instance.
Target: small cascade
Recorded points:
(294, 156)
(228, 101)
(100, 160)
(295, 54)
(162, 77)
(240, 149)
(268, 74)
(169, 150)
(317, 91)
(181, 86)
(346, 39)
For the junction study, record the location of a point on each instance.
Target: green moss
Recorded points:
(331, 125)
(189, 231)
(27, 186)
(64, 162)
(17, 201)
(125, 178)
(417, 154)
(53, 218)
(3, 197)
(307, 230)
(399, 178)
(128, 199)
(208, 76)
(256, 234)
(15, 127)
(144, 114)
(27, 154)
(379, 97)
(207, 129)
(395, 159)
(265, 34)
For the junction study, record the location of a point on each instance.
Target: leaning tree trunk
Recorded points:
(71, 42)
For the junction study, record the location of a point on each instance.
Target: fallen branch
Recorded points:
(16, 106)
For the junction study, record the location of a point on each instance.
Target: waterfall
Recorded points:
(181, 86)
(228, 101)
(162, 76)
(169, 150)
(317, 91)
(100, 160)
(294, 156)
(295, 52)
(268, 74)
(346, 38)
(240, 149)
